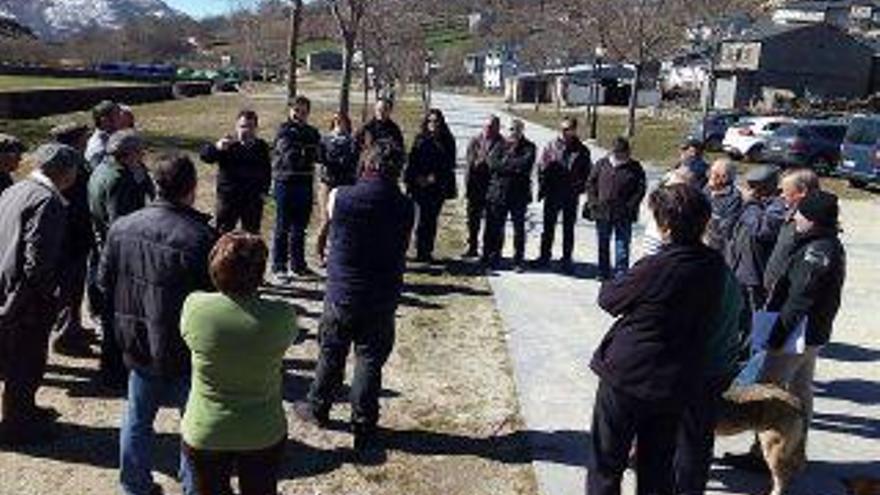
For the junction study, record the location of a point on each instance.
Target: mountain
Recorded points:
(55, 19)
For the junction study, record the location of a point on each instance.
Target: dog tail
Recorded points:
(754, 407)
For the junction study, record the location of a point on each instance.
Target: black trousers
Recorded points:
(617, 420)
(426, 230)
(553, 207)
(72, 288)
(696, 438)
(25, 350)
(232, 208)
(372, 335)
(476, 210)
(257, 469)
(493, 240)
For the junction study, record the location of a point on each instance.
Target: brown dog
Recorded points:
(778, 419)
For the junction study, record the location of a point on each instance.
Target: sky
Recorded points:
(200, 8)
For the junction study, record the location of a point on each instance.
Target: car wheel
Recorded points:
(858, 184)
(754, 154)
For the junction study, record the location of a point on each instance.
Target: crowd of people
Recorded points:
(175, 292)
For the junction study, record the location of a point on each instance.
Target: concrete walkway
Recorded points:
(554, 326)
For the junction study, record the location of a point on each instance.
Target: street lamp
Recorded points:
(598, 55)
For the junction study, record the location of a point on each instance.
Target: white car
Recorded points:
(746, 139)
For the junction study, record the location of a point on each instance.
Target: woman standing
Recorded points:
(234, 420)
(338, 168)
(650, 363)
(430, 178)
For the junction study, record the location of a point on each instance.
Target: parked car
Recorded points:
(860, 151)
(747, 138)
(710, 129)
(809, 143)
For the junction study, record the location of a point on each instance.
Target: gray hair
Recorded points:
(803, 179)
(55, 159)
(728, 167)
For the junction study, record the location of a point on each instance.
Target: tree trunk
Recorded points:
(347, 69)
(292, 44)
(365, 112)
(633, 101)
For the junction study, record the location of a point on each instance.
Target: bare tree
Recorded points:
(348, 15)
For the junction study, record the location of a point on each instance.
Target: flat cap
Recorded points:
(56, 156)
(104, 108)
(820, 207)
(11, 144)
(68, 131)
(124, 142)
(762, 174)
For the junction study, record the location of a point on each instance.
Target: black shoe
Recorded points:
(157, 489)
(304, 271)
(307, 414)
(541, 263)
(368, 449)
(567, 267)
(471, 253)
(747, 462)
(73, 347)
(425, 258)
(519, 267)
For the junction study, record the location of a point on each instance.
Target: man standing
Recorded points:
(616, 187)
(73, 339)
(152, 260)
(795, 185)
(380, 127)
(363, 291)
(562, 178)
(113, 193)
(479, 152)
(692, 158)
(245, 175)
(510, 192)
(106, 117)
(32, 228)
(10, 159)
(293, 168)
(726, 202)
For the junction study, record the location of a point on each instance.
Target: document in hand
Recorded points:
(763, 323)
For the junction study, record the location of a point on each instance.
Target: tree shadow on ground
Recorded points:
(839, 351)
(823, 477)
(443, 290)
(295, 386)
(854, 390)
(294, 293)
(846, 424)
(79, 382)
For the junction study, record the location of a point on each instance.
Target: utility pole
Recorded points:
(296, 8)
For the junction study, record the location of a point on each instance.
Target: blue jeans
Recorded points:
(145, 395)
(293, 211)
(622, 231)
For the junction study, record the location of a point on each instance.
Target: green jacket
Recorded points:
(113, 193)
(722, 345)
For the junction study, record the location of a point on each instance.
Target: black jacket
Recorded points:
(781, 254)
(152, 260)
(480, 152)
(339, 160)
(245, 171)
(431, 157)
(295, 152)
(811, 287)
(753, 238)
(726, 208)
(664, 306)
(615, 193)
(511, 174)
(564, 170)
(80, 236)
(379, 130)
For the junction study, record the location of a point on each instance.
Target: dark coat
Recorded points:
(152, 261)
(80, 236)
(564, 170)
(5, 181)
(339, 160)
(699, 168)
(113, 193)
(665, 306)
(295, 152)
(811, 287)
(781, 254)
(32, 226)
(511, 174)
(244, 171)
(726, 209)
(379, 130)
(754, 235)
(615, 193)
(431, 157)
(480, 152)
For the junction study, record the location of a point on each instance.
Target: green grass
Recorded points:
(17, 83)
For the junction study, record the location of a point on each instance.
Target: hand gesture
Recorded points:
(225, 142)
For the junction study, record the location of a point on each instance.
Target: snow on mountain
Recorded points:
(59, 18)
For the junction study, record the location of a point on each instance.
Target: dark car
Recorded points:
(860, 151)
(712, 128)
(813, 144)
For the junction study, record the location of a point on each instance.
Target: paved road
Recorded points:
(554, 325)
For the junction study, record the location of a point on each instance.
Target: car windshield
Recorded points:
(785, 131)
(864, 131)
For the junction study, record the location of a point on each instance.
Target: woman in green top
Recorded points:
(234, 419)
